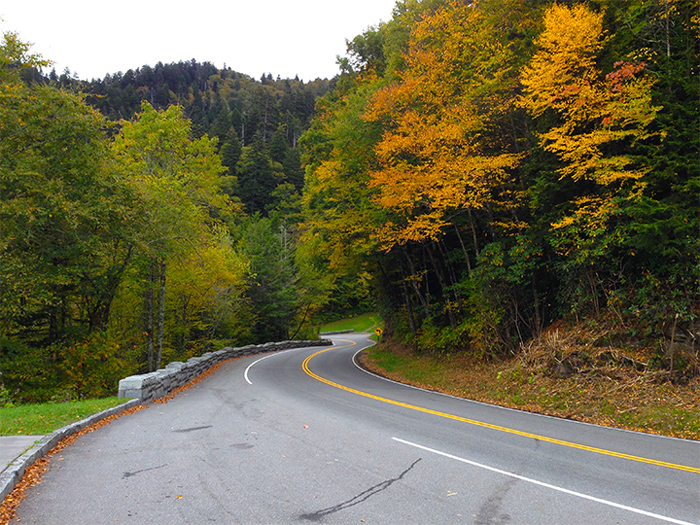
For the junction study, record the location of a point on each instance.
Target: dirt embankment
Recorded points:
(571, 372)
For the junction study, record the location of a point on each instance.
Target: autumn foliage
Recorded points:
(477, 171)
(514, 163)
(435, 156)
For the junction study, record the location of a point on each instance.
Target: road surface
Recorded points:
(306, 436)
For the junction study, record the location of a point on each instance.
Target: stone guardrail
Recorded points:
(148, 387)
(142, 388)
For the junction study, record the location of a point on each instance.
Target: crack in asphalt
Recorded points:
(360, 498)
(129, 474)
(192, 428)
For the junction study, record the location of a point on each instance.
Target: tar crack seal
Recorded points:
(192, 428)
(129, 474)
(360, 498)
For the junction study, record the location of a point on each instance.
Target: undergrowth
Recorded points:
(570, 371)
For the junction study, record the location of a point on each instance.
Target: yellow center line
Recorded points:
(305, 366)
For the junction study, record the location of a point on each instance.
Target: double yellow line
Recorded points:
(305, 366)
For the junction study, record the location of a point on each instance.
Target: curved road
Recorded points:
(306, 436)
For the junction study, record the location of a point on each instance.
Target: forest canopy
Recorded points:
(145, 217)
(498, 166)
(477, 172)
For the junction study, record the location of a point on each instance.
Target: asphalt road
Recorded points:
(305, 436)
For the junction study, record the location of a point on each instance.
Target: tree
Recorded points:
(16, 59)
(448, 164)
(177, 180)
(205, 296)
(279, 146)
(65, 236)
(273, 277)
(595, 112)
(599, 121)
(64, 216)
(258, 176)
(664, 221)
(340, 216)
(437, 154)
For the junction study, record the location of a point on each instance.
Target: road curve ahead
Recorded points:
(306, 436)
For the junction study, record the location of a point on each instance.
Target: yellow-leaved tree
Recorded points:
(445, 174)
(598, 119)
(339, 214)
(177, 181)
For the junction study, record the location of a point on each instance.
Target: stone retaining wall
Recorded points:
(147, 387)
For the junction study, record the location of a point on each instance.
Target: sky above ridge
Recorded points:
(282, 37)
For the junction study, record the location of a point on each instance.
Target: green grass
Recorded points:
(44, 418)
(426, 372)
(389, 361)
(362, 323)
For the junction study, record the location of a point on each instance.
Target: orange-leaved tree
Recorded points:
(438, 154)
(446, 164)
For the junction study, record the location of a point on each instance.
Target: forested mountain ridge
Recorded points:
(204, 92)
(241, 112)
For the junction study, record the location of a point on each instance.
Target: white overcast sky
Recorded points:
(281, 37)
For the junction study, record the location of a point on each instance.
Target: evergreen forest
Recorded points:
(478, 172)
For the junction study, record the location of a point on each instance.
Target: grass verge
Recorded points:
(44, 418)
(611, 396)
(362, 323)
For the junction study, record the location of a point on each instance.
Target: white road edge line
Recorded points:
(245, 374)
(546, 485)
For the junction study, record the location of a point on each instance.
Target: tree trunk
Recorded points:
(464, 250)
(413, 276)
(451, 272)
(182, 336)
(148, 314)
(473, 227)
(536, 305)
(409, 308)
(443, 286)
(303, 320)
(161, 314)
(99, 313)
